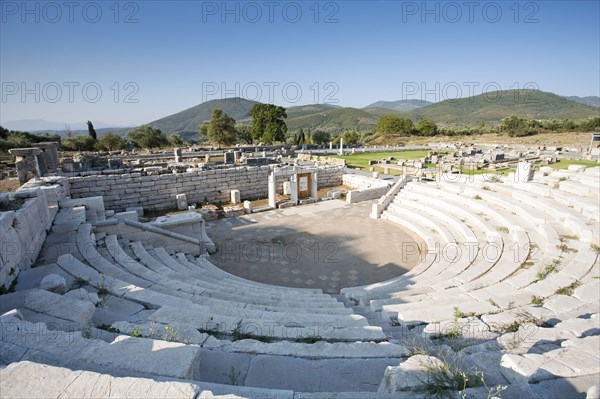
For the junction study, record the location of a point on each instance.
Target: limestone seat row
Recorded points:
(181, 308)
(512, 279)
(202, 288)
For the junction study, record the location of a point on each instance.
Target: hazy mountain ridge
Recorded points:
(36, 125)
(400, 105)
(189, 119)
(593, 101)
(489, 108)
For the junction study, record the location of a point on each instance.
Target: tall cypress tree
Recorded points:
(91, 130)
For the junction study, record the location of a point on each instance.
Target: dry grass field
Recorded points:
(571, 139)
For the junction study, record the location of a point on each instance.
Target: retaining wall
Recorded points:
(159, 191)
(23, 231)
(365, 188)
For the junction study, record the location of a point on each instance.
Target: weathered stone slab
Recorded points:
(95, 204)
(559, 388)
(235, 196)
(54, 283)
(70, 216)
(59, 306)
(318, 350)
(137, 355)
(182, 203)
(569, 361)
(410, 375)
(13, 313)
(23, 380)
(82, 295)
(138, 209)
(232, 211)
(316, 375)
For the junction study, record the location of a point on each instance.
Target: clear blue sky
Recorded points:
(171, 55)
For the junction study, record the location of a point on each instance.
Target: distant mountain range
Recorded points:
(594, 101)
(400, 105)
(489, 108)
(189, 119)
(33, 125)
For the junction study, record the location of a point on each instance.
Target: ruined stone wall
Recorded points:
(323, 159)
(330, 176)
(23, 230)
(159, 191)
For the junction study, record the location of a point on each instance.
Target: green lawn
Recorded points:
(564, 163)
(361, 161)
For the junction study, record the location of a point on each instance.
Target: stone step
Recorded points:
(441, 234)
(317, 350)
(265, 290)
(503, 296)
(149, 260)
(21, 379)
(86, 247)
(127, 354)
(576, 357)
(299, 329)
(118, 288)
(60, 306)
(443, 269)
(69, 218)
(181, 311)
(465, 231)
(200, 287)
(204, 263)
(175, 263)
(572, 220)
(433, 313)
(454, 259)
(451, 203)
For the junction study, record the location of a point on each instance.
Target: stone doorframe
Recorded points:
(293, 176)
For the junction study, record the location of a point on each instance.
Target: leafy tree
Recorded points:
(175, 140)
(569, 124)
(516, 127)
(146, 136)
(590, 125)
(534, 123)
(427, 127)
(351, 137)
(91, 130)
(244, 133)
(16, 139)
(268, 123)
(111, 142)
(391, 124)
(300, 137)
(79, 143)
(203, 130)
(220, 129)
(320, 137)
